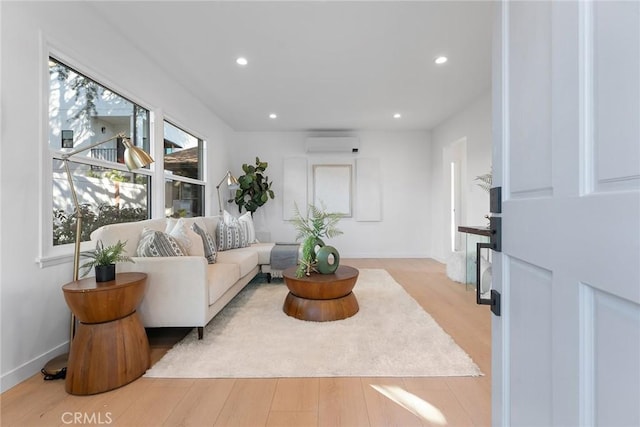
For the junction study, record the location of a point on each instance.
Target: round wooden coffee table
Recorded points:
(110, 348)
(321, 297)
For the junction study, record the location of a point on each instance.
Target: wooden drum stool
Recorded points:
(110, 347)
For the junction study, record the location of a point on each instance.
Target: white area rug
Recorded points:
(390, 336)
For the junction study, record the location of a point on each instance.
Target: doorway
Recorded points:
(455, 161)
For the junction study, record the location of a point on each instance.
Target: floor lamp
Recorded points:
(134, 158)
(232, 183)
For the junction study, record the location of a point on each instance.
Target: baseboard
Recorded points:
(30, 368)
(440, 260)
(382, 256)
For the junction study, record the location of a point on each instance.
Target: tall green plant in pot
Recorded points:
(254, 187)
(312, 227)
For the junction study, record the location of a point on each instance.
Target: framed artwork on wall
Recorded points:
(332, 188)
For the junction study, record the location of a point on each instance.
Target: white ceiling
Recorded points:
(320, 65)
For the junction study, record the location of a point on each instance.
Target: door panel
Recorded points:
(616, 93)
(567, 155)
(530, 112)
(530, 352)
(613, 322)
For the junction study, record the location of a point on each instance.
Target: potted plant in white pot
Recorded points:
(311, 229)
(103, 260)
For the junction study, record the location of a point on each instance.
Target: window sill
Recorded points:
(62, 254)
(51, 260)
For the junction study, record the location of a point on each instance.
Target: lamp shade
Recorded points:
(135, 157)
(232, 182)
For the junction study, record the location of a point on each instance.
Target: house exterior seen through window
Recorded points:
(83, 112)
(183, 168)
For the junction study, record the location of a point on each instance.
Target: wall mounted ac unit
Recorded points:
(333, 144)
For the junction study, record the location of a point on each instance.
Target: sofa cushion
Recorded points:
(245, 258)
(211, 224)
(154, 243)
(220, 277)
(128, 232)
(264, 252)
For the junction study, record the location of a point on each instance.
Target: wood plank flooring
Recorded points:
(299, 402)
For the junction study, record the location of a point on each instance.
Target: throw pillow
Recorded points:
(207, 242)
(229, 219)
(230, 237)
(176, 228)
(157, 244)
(246, 221)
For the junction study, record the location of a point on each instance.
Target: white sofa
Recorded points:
(186, 291)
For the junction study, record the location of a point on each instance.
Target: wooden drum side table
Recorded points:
(321, 297)
(110, 347)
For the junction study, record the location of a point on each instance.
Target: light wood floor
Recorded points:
(452, 401)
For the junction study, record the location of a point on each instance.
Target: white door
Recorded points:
(566, 350)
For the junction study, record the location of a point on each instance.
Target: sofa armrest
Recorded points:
(177, 292)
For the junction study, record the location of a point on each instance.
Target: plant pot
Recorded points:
(105, 273)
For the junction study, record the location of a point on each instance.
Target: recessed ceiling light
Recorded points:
(273, 116)
(397, 115)
(440, 60)
(242, 61)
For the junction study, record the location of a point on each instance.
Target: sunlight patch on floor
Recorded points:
(412, 403)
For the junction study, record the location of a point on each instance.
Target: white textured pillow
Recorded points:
(246, 221)
(155, 243)
(177, 229)
(229, 219)
(182, 228)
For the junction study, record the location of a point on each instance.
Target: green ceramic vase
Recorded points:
(323, 258)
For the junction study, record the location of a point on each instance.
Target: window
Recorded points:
(83, 112)
(183, 168)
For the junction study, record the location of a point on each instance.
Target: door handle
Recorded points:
(495, 243)
(479, 247)
(494, 299)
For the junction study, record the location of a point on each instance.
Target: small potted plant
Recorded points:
(104, 260)
(317, 224)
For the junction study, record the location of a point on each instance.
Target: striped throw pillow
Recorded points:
(156, 244)
(208, 244)
(231, 237)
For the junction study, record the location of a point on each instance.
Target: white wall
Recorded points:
(474, 124)
(34, 317)
(404, 167)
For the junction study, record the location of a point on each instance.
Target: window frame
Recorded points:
(48, 253)
(166, 176)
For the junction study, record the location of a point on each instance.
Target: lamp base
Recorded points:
(56, 368)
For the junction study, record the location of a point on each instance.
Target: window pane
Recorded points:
(182, 152)
(82, 112)
(183, 199)
(106, 196)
